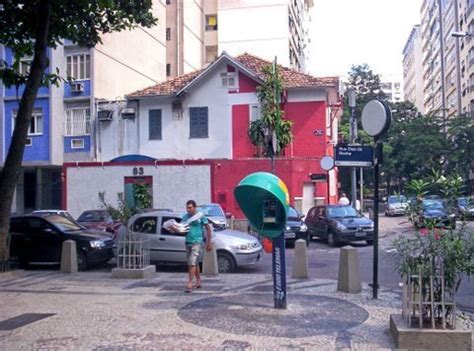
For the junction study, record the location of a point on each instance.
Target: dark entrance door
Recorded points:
(29, 190)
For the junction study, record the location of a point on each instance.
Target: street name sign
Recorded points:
(354, 155)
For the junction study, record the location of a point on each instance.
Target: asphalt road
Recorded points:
(323, 261)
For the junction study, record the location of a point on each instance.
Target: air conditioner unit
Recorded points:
(105, 115)
(77, 87)
(128, 113)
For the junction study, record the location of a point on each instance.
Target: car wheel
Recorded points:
(81, 261)
(369, 242)
(225, 262)
(332, 241)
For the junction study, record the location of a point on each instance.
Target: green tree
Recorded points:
(272, 124)
(29, 28)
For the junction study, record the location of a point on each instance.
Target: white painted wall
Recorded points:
(172, 185)
(125, 59)
(193, 36)
(56, 109)
(259, 27)
(175, 143)
(301, 95)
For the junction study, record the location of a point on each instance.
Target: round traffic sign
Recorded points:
(376, 118)
(327, 163)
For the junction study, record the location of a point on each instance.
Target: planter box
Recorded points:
(428, 339)
(139, 273)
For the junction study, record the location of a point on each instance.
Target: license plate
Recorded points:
(290, 235)
(359, 234)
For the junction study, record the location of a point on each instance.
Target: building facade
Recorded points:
(413, 69)
(200, 121)
(66, 118)
(392, 88)
(199, 31)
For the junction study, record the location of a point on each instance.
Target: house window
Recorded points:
(77, 121)
(77, 144)
(79, 66)
(168, 69)
(168, 2)
(255, 113)
(211, 22)
(199, 122)
(36, 122)
(168, 33)
(229, 80)
(154, 125)
(24, 65)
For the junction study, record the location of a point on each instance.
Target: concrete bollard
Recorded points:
(349, 278)
(209, 262)
(69, 257)
(300, 266)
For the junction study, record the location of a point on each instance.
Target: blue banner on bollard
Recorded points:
(279, 272)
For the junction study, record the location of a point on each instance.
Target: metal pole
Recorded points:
(375, 283)
(353, 137)
(279, 272)
(441, 52)
(361, 190)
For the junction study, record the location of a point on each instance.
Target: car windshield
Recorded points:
(94, 216)
(462, 201)
(292, 213)
(211, 210)
(394, 199)
(64, 224)
(343, 212)
(433, 205)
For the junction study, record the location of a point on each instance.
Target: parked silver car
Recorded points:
(234, 248)
(214, 212)
(396, 205)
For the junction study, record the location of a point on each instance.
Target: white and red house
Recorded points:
(193, 130)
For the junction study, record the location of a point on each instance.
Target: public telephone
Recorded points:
(270, 209)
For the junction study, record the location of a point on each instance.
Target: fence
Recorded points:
(133, 252)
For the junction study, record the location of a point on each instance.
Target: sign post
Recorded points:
(376, 119)
(264, 199)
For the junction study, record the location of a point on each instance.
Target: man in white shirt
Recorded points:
(343, 200)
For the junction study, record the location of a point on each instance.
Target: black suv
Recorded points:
(295, 227)
(36, 240)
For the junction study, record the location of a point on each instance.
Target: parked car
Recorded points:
(434, 212)
(38, 240)
(65, 214)
(295, 227)
(214, 212)
(234, 248)
(465, 208)
(99, 220)
(339, 223)
(396, 205)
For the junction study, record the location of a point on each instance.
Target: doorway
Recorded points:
(308, 197)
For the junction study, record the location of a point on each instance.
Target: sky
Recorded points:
(347, 32)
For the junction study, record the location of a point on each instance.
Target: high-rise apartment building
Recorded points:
(448, 60)
(392, 88)
(198, 31)
(413, 69)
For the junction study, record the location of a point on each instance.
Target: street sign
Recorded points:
(354, 155)
(315, 177)
(327, 163)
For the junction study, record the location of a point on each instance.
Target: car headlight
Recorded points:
(303, 228)
(97, 243)
(288, 228)
(340, 226)
(244, 247)
(452, 215)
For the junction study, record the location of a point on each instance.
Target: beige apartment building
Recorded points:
(199, 30)
(448, 56)
(413, 69)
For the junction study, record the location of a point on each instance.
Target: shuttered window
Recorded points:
(199, 122)
(77, 121)
(154, 125)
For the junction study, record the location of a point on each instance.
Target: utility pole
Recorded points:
(441, 53)
(353, 138)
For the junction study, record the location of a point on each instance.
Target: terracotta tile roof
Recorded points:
(290, 77)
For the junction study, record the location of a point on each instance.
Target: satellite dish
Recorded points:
(376, 118)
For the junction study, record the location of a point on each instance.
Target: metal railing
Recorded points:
(133, 252)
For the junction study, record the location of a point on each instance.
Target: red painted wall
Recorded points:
(307, 117)
(241, 145)
(246, 84)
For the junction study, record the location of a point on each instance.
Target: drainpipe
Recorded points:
(458, 58)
